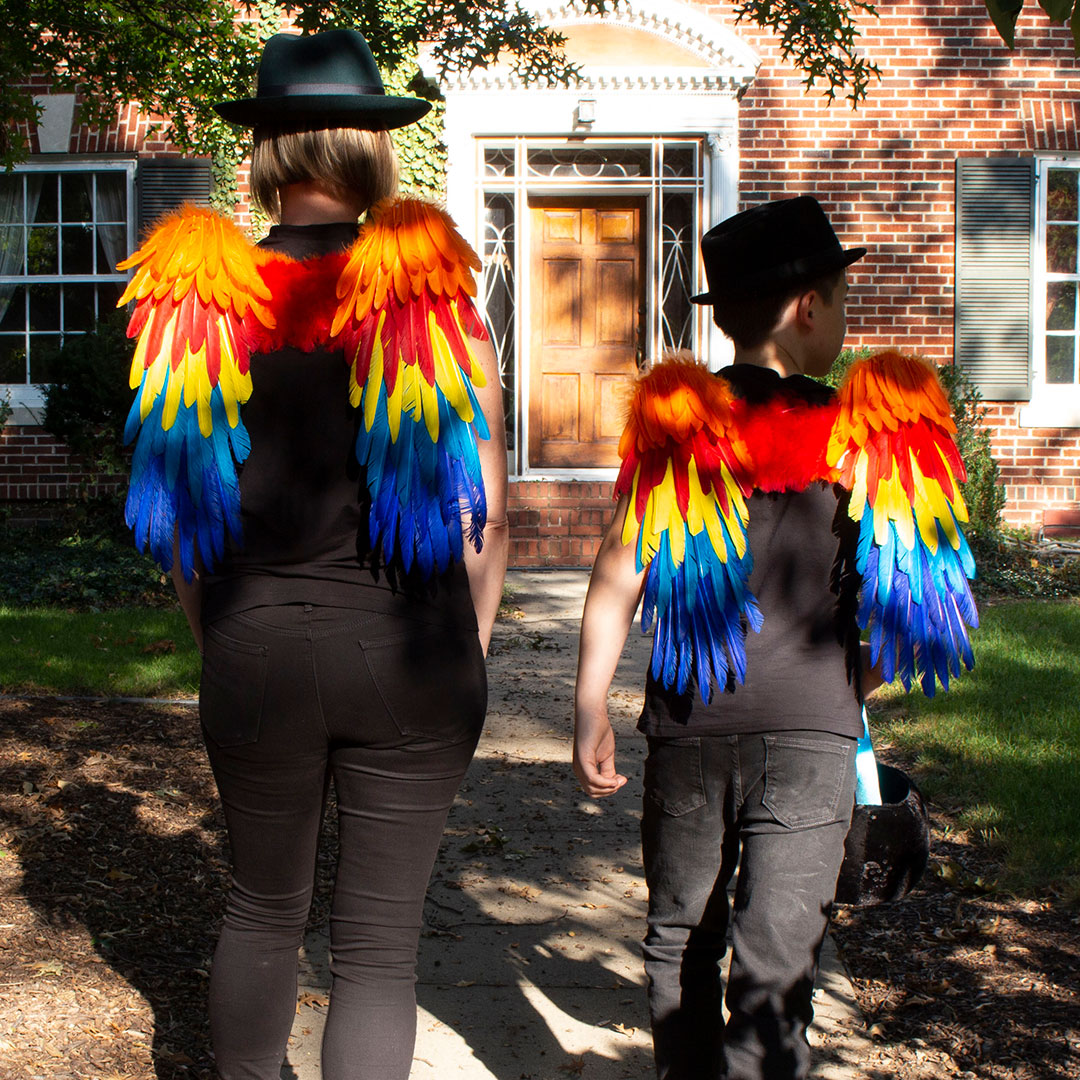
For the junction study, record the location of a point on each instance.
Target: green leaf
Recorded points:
(1004, 14)
(1057, 10)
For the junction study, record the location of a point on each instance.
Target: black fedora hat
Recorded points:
(322, 80)
(771, 247)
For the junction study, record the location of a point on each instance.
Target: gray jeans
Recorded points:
(785, 798)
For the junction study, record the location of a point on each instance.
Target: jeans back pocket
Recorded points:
(232, 687)
(432, 680)
(806, 777)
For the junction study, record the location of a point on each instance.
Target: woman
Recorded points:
(342, 605)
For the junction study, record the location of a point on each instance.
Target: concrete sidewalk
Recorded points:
(529, 963)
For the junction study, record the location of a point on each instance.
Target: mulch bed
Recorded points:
(112, 871)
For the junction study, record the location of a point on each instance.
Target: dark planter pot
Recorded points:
(887, 846)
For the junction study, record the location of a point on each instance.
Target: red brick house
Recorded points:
(960, 174)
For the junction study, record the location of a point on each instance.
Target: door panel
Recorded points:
(587, 326)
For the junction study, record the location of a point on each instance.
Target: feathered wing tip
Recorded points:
(421, 491)
(685, 471)
(405, 318)
(200, 303)
(893, 448)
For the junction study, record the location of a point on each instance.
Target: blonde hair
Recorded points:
(344, 160)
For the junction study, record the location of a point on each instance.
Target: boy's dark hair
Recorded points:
(749, 318)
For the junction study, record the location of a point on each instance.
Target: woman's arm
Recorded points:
(487, 568)
(614, 593)
(190, 594)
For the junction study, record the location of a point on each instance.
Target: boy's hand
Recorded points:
(594, 756)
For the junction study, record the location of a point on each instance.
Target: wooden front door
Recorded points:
(588, 314)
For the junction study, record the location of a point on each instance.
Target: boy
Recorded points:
(768, 767)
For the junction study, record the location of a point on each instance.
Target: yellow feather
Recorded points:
(394, 403)
(630, 522)
(429, 403)
(858, 488)
(155, 379)
(173, 392)
(138, 361)
(373, 385)
(203, 390)
(476, 376)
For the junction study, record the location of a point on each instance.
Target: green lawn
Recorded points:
(123, 652)
(1002, 747)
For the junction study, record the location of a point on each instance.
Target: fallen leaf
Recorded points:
(575, 1066)
(312, 1001)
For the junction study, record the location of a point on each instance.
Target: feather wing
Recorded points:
(404, 317)
(685, 470)
(199, 305)
(892, 445)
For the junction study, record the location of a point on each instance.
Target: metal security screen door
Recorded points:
(658, 183)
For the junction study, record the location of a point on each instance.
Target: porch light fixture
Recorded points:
(586, 111)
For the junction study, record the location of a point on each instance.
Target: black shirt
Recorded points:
(304, 503)
(803, 544)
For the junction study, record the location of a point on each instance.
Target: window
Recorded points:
(1057, 353)
(63, 228)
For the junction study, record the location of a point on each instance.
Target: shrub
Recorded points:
(88, 404)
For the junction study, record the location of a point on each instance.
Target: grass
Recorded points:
(123, 652)
(1002, 748)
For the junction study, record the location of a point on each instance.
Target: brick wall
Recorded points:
(35, 467)
(885, 174)
(1039, 466)
(557, 522)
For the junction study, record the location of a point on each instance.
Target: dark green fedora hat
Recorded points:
(322, 80)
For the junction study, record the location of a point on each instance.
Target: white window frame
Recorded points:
(28, 399)
(1052, 404)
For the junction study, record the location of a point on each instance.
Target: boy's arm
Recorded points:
(614, 593)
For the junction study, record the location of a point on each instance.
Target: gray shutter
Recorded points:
(167, 183)
(995, 252)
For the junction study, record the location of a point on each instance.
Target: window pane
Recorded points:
(111, 196)
(1061, 305)
(14, 317)
(499, 161)
(500, 294)
(617, 162)
(1061, 195)
(1060, 362)
(678, 239)
(1061, 249)
(11, 197)
(75, 197)
(44, 307)
(111, 247)
(46, 207)
(79, 307)
(12, 253)
(108, 294)
(12, 359)
(679, 162)
(77, 249)
(41, 252)
(44, 350)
